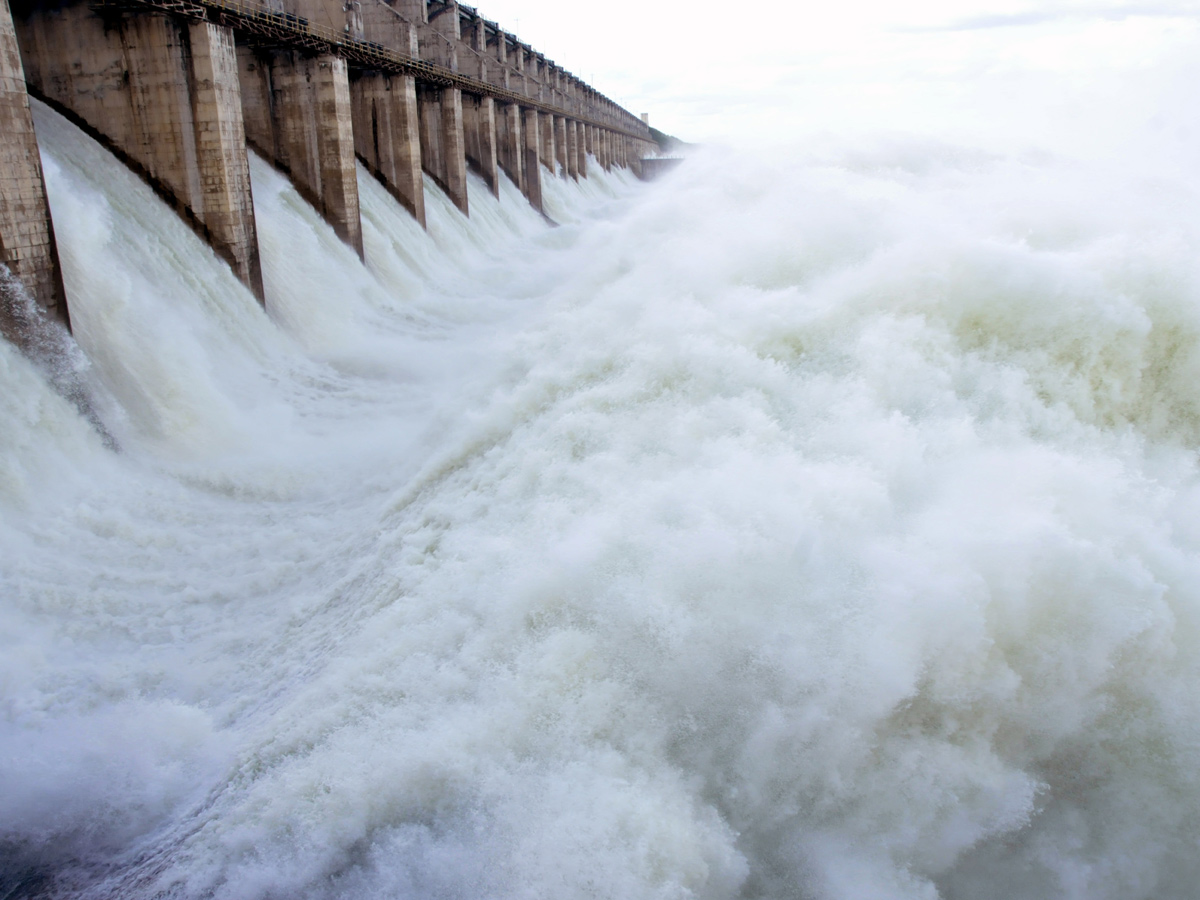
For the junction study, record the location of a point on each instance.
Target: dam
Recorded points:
(820, 521)
(180, 91)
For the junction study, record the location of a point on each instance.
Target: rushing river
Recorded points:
(820, 527)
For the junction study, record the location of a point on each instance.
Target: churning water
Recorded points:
(823, 528)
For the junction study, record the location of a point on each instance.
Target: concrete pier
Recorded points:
(561, 150)
(163, 94)
(533, 167)
(574, 154)
(443, 149)
(479, 130)
(384, 108)
(298, 115)
(386, 135)
(510, 148)
(26, 232)
(547, 152)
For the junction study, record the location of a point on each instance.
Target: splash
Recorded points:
(821, 528)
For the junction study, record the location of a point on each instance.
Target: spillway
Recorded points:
(823, 528)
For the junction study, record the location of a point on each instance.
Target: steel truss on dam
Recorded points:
(180, 89)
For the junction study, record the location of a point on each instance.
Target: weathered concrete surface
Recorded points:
(164, 95)
(479, 131)
(533, 168)
(510, 148)
(26, 231)
(548, 155)
(560, 146)
(298, 114)
(443, 150)
(575, 156)
(387, 135)
(384, 24)
(177, 102)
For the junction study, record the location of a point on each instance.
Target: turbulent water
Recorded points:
(825, 527)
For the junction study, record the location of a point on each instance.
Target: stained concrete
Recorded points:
(443, 149)
(547, 151)
(164, 95)
(533, 168)
(26, 231)
(298, 114)
(510, 152)
(575, 156)
(178, 102)
(387, 135)
(479, 131)
(561, 149)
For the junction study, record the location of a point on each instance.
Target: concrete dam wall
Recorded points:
(179, 89)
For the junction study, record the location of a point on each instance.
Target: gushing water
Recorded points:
(820, 530)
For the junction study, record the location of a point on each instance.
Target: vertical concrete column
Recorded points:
(454, 147)
(561, 149)
(510, 150)
(533, 173)
(386, 135)
(26, 232)
(164, 95)
(573, 148)
(443, 147)
(548, 157)
(501, 48)
(335, 148)
(221, 158)
(479, 127)
(298, 114)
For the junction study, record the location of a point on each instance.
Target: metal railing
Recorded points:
(296, 31)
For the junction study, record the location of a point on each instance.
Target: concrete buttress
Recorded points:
(479, 130)
(298, 115)
(443, 148)
(533, 170)
(573, 149)
(510, 149)
(561, 154)
(26, 232)
(387, 135)
(548, 155)
(163, 94)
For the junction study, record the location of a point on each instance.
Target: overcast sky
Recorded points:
(777, 71)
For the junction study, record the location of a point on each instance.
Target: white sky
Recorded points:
(1049, 70)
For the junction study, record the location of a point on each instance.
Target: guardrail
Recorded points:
(292, 30)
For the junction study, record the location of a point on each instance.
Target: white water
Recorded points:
(820, 529)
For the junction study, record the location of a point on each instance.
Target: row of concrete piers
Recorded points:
(179, 89)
